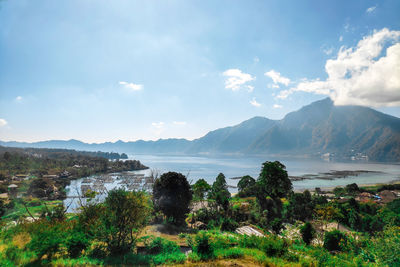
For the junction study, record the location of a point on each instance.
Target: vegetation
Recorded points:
(293, 229)
(172, 195)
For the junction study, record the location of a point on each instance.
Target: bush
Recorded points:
(231, 253)
(203, 246)
(47, 238)
(272, 246)
(76, 242)
(161, 246)
(228, 224)
(334, 240)
(307, 233)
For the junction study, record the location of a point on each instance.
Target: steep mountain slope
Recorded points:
(232, 139)
(323, 127)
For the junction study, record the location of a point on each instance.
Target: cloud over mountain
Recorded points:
(368, 74)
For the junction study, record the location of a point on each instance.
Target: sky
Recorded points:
(102, 71)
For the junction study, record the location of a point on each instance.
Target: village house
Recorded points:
(365, 197)
(387, 196)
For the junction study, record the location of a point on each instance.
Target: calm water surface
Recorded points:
(209, 167)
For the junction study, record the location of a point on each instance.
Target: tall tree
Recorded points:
(172, 195)
(200, 189)
(246, 186)
(273, 180)
(220, 193)
(272, 184)
(123, 215)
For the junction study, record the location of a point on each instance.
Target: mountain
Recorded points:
(232, 139)
(315, 129)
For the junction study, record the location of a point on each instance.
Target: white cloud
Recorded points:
(277, 106)
(277, 78)
(158, 125)
(179, 122)
(366, 75)
(327, 50)
(254, 102)
(236, 78)
(274, 86)
(132, 86)
(3, 122)
(18, 98)
(250, 88)
(370, 9)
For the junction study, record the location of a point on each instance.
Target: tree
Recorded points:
(172, 195)
(273, 180)
(334, 240)
(124, 214)
(200, 189)
(300, 206)
(220, 193)
(246, 186)
(307, 232)
(352, 188)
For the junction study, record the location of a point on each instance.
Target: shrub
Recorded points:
(165, 251)
(203, 246)
(272, 246)
(47, 238)
(160, 245)
(125, 213)
(228, 224)
(307, 233)
(231, 253)
(334, 240)
(75, 243)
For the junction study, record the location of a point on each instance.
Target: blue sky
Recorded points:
(108, 70)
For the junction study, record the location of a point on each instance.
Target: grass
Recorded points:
(19, 210)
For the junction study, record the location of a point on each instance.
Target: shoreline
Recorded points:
(330, 188)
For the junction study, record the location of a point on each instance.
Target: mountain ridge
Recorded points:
(315, 129)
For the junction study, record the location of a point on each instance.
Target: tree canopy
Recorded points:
(200, 189)
(172, 195)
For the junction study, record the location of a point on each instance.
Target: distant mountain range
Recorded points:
(315, 129)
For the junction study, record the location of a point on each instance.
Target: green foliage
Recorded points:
(24, 160)
(300, 206)
(75, 243)
(272, 246)
(220, 193)
(335, 240)
(124, 215)
(47, 237)
(203, 246)
(172, 195)
(200, 189)
(165, 251)
(307, 232)
(352, 188)
(246, 186)
(229, 253)
(273, 181)
(228, 224)
(339, 191)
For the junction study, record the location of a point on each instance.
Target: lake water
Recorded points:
(209, 167)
